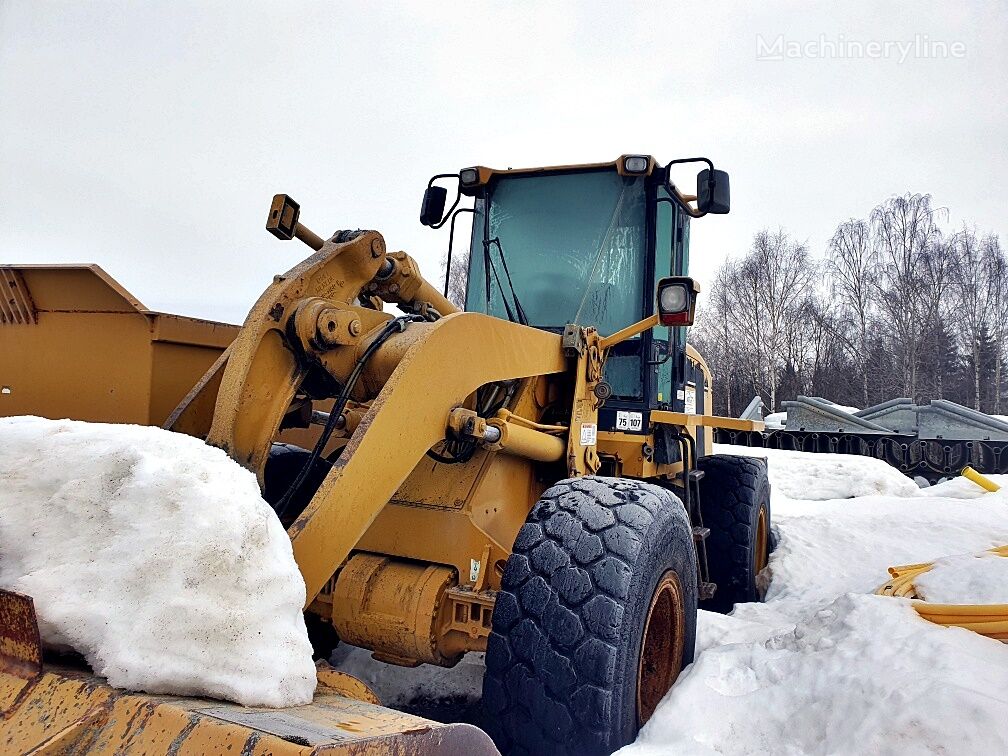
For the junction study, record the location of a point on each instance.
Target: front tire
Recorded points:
(603, 570)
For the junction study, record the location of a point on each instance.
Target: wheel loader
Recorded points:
(518, 464)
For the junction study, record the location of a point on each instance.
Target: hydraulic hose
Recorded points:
(396, 325)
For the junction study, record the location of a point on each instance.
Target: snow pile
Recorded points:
(965, 579)
(775, 421)
(845, 407)
(824, 666)
(862, 675)
(818, 477)
(155, 557)
(964, 488)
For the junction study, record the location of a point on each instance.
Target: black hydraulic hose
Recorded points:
(397, 325)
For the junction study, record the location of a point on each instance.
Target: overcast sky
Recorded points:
(150, 137)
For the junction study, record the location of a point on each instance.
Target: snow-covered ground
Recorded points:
(154, 556)
(965, 579)
(823, 666)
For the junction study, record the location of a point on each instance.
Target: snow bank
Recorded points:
(823, 666)
(830, 548)
(964, 488)
(864, 674)
(155, 557)
(965, 579)
(818, 477)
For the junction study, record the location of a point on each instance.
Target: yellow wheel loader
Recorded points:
(519, 463)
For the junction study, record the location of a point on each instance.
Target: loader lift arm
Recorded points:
(305, 329)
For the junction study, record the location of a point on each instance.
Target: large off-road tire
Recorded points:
(599, 564)
(322, 636)
(283, 466)
(735, 505)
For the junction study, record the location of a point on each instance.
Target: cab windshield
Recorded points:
(561, 248)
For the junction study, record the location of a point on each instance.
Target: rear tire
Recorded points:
(599, 564)
(735, 505)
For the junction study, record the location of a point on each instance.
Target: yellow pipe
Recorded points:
(987, 619)
(509, 417)
(980, 480)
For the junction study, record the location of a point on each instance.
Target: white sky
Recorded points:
(150, 137)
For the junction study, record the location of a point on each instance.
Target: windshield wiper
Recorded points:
(519, 312)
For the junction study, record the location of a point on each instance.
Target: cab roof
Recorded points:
(484, 174)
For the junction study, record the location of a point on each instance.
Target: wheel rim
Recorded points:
(662, 645)
(761, 554)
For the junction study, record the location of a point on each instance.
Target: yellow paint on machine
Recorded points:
(57, 709)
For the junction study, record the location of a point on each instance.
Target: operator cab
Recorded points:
(585, 244)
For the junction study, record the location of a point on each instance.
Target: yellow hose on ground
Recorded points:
(981, 480)
(987, 619)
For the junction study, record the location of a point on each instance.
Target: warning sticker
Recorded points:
(589, 434)
(690, 403)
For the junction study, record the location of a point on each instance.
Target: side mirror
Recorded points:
(432, 208)
(677, 297)
(713, 195)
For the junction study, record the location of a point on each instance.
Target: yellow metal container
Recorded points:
(75, 344)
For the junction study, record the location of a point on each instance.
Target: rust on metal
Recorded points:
(20, 645)
(662, 644)
(761, 554)
(67, 710)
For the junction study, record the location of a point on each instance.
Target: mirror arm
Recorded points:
(683, 200)
(451, 241)
(458, 196)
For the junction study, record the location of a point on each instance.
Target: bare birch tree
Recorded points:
(851, 266)
(972, 297)
(996, 265)
(904, 232)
